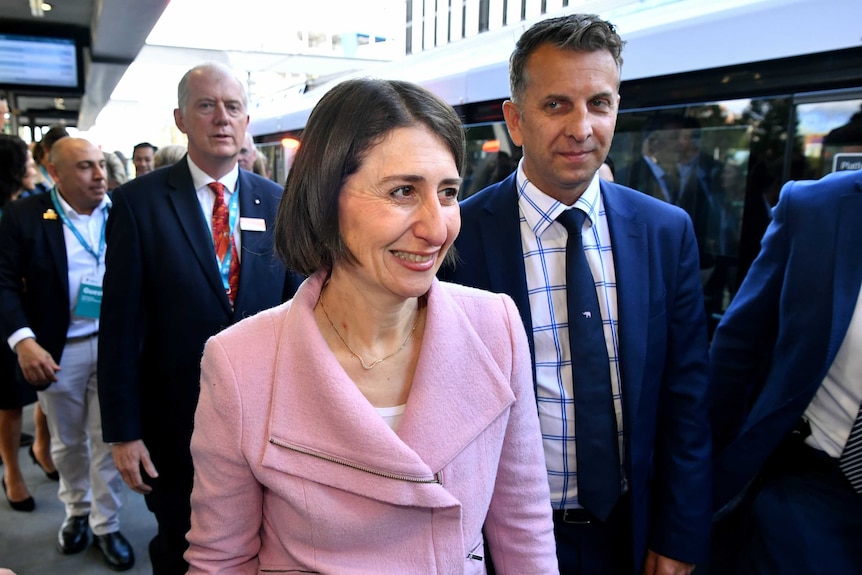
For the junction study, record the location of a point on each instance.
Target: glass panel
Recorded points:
(825, 129)
(491, 156)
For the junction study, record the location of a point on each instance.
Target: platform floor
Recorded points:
(28, 540)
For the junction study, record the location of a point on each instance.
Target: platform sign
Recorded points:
(847, 161)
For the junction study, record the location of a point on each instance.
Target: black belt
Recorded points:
(575, 516)
(813, 459)
(80, 338)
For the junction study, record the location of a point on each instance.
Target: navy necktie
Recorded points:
(595, 420)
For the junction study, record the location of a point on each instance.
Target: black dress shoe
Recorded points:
(74, 534)
(52, 475)
(24, 505)
(116, 549)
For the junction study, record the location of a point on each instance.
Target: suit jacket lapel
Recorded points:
(500, 228)
(257, 246)
(56, 244)
(631, 265)
(188, 210)
(848, 272)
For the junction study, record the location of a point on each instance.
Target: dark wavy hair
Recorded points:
(576, 32)
(13, 166)
(343, 128)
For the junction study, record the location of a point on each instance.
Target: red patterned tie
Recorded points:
(222, 238)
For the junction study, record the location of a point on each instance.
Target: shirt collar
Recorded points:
(70, 211)
(201, 179)
(541, 210)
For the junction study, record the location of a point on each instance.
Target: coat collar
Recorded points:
(316, 408)
(53, 229)
(631, 265)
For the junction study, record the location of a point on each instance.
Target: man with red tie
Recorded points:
(190, 252)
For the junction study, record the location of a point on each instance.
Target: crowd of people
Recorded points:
(359, 374)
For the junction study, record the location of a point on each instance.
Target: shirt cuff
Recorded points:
(19, 336)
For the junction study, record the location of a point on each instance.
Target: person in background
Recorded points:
(50, 272)
(4, 111)
(190, 252)
(606, 170)
(33, 182)
(168, 155)
(261, 165)
(124, 161)
(42, 183)
(115, 171)
(16, 167)
(416, 415)
(607, 283)
(142, 157)
(247, 153)
(786, 386)
(42, 158)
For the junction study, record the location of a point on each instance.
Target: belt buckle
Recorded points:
(577, 516)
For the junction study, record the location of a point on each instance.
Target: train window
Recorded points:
(491, 156)
(724, 163)
(828, 131)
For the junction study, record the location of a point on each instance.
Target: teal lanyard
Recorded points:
(233, 213)
(68, 223)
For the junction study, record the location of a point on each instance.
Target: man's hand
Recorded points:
(660, 565)
(129, 457)
(37, 364)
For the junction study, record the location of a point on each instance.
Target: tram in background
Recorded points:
(738, 102)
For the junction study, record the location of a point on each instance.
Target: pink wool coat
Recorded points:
(295, 472)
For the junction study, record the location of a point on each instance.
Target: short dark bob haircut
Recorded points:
(577, 32)
(343, 128)
(13, 166)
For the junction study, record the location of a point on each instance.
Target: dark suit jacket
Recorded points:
(792, 312)
(163, 297)
(34, 250)
(663, 349)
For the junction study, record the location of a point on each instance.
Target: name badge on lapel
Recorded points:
(252, 224)
(89, 298)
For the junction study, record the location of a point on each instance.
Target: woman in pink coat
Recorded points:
(381, 420)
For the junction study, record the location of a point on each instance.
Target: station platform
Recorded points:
(28, 541)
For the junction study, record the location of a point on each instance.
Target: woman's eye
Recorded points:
(402, 192)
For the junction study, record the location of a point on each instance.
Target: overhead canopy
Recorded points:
(113, 32)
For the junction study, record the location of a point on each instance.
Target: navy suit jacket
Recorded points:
(791, 314)
(33, 255)
(163, 298)
(663, 349)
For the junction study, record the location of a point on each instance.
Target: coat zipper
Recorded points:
(436, 479)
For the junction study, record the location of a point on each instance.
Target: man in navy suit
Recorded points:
(168, 288)
(565, 76)
(51, 269)
(786, 385)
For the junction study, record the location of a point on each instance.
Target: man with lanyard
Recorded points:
(51, 271)
(190, 252)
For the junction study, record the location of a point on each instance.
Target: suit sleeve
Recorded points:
(226, 499)
(519, 527)
(12, 315)
(742, 344)
(121, 326)
(682, 458)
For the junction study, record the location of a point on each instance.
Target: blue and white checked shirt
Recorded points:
(543, 241)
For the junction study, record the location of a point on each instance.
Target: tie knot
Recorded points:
(573, 220)
(217, 188)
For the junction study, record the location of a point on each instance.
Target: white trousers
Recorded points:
(89, 480)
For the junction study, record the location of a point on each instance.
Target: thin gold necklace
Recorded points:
(374, 363)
